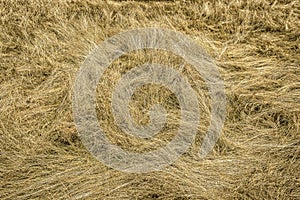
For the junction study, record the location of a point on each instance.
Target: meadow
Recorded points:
(255, 45)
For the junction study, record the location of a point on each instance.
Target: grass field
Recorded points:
(255, 45)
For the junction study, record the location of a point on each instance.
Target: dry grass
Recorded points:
(256, 47)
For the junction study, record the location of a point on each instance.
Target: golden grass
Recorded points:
(256, 48)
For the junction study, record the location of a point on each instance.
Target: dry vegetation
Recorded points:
(256, 48)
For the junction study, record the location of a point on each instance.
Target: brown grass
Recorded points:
(256, 48)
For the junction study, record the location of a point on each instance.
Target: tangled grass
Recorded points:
(256, 47)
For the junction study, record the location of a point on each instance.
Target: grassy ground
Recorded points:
(256, 47)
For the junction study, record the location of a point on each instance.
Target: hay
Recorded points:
(256, 48)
